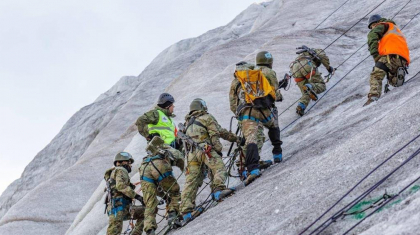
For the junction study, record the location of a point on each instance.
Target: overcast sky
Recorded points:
(58, 56)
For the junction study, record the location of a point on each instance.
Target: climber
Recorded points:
(205, 131)
(309, 80)
(120, 196)
(157, 179)
(389, 49)
(158, 121)
(253, 103)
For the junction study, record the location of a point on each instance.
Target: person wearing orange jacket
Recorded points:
(389, 49)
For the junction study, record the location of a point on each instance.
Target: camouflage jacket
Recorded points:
(375, 35)
(321, 54)
(210, 132)
(271, 76)
(150, 117)
(120, 184)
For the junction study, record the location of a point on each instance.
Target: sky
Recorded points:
(58, 56)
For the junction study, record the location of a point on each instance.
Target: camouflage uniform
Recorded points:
(151, 117)
(157, 180)
(255, 119)
(316, 80)
(391, 61)
(203, 128)
(122, 193)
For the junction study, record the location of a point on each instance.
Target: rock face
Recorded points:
(326, 152)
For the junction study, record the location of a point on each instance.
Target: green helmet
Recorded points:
(123, 156)
(155, 146)
(264, 57)
(198, 104)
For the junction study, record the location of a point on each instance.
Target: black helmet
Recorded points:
(165, 100)
(374, 19)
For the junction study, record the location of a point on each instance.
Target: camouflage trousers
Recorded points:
(378, 74)
(318, 86)
(116, 220)
(167, 189)
(194, 177)
(253, 131)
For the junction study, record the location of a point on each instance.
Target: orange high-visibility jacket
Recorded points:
(393, 42)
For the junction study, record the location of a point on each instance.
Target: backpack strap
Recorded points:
(193, 121)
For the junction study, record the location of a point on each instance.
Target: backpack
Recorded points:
(256, 89)
(303, 67)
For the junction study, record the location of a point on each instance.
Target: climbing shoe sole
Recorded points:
(311, 94)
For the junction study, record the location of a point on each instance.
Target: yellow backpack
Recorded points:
(257, 90)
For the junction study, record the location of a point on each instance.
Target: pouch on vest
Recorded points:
(303, 68)
(395, 80)
(257, 90)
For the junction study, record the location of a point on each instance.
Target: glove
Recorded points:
(241, 141)
(331, 70)
(150, 136)
(139, 198)
(283, 83)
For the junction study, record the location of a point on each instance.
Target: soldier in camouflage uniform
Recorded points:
(157, 179)
(309, 80)
(204, 130)
(158, 121)
(389, 49)
(120, 195)
(254, 119)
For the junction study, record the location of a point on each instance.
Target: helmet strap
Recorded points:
(127, 167)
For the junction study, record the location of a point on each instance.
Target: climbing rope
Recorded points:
(331, 14)
(207, 202)
(384, 204)
(363, 195)
(207, 184)
(356, 50)
(332, 218)
(337, 66)
(309, 109)
(376, 203)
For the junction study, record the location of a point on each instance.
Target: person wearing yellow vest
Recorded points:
(389, 49)
(158, 121)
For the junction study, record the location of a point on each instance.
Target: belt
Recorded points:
(163, 176)
(244, 117)
(300, 79)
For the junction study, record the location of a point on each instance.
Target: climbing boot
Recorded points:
(173, 219)
(252, 176)
(219, 195)
(243, 175)
(300, 109)
(150, 232)
(308, 90)
(372, 98)
(278, 158)
(197, 211)
(187, 218)
(265, 164)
